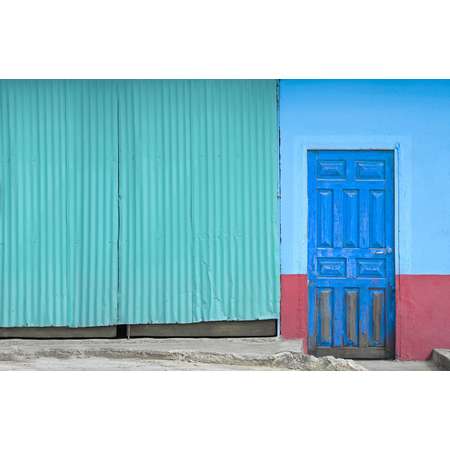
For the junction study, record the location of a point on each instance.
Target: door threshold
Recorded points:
(353, 353)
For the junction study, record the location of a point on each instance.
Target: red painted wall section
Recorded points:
(294, 308)
(423, 315)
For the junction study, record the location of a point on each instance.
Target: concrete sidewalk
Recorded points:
(395, 366)
(104, 364)
(182, 354)
(163, 354)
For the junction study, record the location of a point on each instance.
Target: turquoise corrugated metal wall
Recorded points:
(184, 229)
(58, 203)
(198, 183)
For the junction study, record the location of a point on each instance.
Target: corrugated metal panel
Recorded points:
(58, 207)
(198, 182)
(194, 236)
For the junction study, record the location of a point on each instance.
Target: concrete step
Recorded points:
(441, 357)
(260, 352)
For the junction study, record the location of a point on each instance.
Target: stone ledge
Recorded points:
(441, 357)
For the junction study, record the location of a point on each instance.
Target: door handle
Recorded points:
(382, 251)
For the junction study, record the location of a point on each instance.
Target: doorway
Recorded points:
(351, 271)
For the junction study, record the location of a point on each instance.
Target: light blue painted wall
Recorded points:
(411, 116)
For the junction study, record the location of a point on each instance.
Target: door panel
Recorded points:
(350, 253)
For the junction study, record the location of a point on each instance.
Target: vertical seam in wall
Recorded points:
(67, 197)
(397, 280)
(118, 205)
(191, 207)
(279, 201)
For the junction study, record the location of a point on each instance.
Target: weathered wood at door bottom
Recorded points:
(353, 353)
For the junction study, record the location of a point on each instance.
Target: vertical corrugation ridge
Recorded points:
(119, 201)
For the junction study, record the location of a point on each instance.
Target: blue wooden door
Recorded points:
(351, 253)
